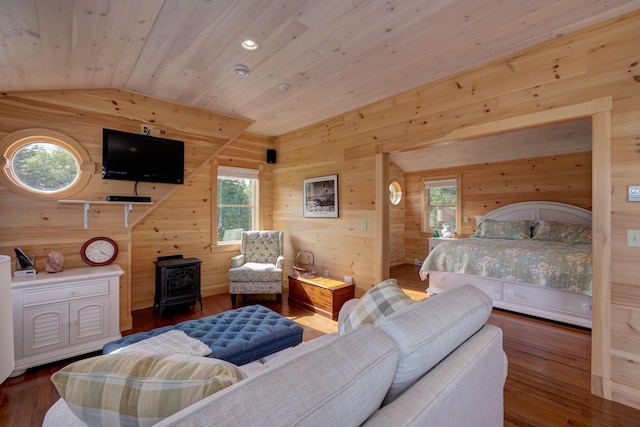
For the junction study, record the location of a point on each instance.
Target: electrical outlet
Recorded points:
(633, 238)
(146, 129)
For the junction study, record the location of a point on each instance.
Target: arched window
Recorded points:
(44, 164)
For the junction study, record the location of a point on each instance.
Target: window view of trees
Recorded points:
(44, 167)
(443, 196)
(235, 207)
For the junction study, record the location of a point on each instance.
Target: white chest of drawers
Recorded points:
(61, 315)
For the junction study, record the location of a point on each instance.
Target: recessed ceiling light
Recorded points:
(241, 70)
(250, 44)
(284, 87)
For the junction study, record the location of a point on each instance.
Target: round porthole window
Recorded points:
(44, 167)
(395, 192)
(43, 164)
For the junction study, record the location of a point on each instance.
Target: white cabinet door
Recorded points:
(89, 319)
(53, 326)
(45, 328)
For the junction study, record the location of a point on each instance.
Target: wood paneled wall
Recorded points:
(555, 81)
(487, 186)
(179, 221)
(184, 223)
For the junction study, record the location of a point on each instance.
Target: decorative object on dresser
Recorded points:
(54, 262)
(177, 282)
(66, 314)
(99, 251)
(321, 197)
(258, 268)
(25, 265)
(323, 295)
(531, 257)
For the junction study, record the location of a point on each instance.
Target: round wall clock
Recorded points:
(99, 251)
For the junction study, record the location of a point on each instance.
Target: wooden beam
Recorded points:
(601, 313)
(382, 217)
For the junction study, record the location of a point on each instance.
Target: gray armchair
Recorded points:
(258, 268)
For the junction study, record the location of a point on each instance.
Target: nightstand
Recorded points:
(435, 241)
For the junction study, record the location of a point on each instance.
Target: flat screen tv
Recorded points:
(133, 157)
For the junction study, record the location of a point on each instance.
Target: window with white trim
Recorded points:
(441, 204)
(237, 202)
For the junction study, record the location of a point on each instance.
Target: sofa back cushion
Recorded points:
(427, 331)
(340, 383)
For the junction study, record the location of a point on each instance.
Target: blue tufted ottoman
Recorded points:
(238, 336)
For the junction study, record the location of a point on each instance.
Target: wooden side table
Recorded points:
(322, 295)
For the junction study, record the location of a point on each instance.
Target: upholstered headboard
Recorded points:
(546, 211)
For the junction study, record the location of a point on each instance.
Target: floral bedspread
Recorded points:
(546, 263)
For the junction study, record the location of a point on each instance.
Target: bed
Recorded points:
(532, 258)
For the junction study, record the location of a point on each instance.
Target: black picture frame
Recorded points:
(321, 197)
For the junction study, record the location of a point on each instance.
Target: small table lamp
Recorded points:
(446, 217)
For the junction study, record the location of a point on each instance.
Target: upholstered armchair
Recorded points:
(258, 268)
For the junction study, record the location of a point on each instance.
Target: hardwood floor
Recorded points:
(548, 382)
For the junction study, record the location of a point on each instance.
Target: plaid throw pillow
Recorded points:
(380, 301)
(140, 389)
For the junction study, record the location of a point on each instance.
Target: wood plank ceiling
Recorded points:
(556, 139)
(335, 55)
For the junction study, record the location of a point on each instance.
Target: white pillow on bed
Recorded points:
(514, 230)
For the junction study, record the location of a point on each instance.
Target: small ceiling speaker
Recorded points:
(271, 155)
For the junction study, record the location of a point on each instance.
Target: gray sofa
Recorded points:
(434, 363)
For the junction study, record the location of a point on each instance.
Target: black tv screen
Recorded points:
(133, 157)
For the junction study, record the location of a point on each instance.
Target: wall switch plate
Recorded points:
(348, 279)
(633, 238)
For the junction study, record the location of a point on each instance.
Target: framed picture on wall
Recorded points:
(321, 197)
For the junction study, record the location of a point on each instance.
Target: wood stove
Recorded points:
(177, 282)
